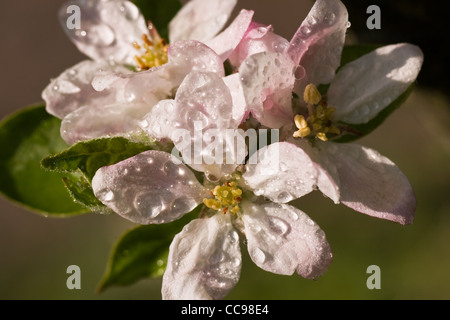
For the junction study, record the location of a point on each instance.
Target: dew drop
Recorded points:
(284, 197)
(278, 225)
(233, 236)
(109, 196)
(305, 30)
(299, 73)
(329, 18)
(258, 255)
(130, 11)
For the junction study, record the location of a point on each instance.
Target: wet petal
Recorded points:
(281, 172)
(317, 44)
(151, 187)
(190, 55)
(258, 38)
(200, 19)
(160, 122)
(204, 261)
(267, 79)
(203, 97)
(363, 87)
(107, 29)
(91, 122)
(372, 184)
(72, 89)
(227, 41)
(283, 239)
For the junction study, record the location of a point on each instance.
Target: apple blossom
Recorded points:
(357, 176)
(156, 187)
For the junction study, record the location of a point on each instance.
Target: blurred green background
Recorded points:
(414, 260)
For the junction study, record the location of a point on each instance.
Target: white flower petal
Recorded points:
(200, 19)
(189, 55)
(205, 98)
(318, 43)
(328, 177)
(107, 29)
(282, 239)
(72, 89)
(160, 122)
(233, 82)
(151, 187)
(268, 79)
(227, 41)
(363, 87)
(281, 172)
(372, 184)
(91, 122)
(204, 261)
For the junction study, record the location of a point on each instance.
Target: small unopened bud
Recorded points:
(311, 95)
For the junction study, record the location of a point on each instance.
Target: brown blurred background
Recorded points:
(415, 260)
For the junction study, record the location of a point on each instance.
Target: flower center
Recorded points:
(318, 122)
(226, 198)
(153, 52)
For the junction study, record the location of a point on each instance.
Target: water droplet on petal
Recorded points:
(108, 196)
(329, 18)
(130, 11)
(233, 236)
(305, 30)
(284, 197)
(67, 87)
(258, 255)
(278, 225)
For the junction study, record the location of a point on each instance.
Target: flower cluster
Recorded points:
(208, 91)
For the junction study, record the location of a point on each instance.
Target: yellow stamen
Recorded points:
(311, 95)
(226, 198)
(154, 51)
(318, 123)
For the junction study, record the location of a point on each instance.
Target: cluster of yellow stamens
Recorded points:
(154, 51)
(226, 198)
(318, 123)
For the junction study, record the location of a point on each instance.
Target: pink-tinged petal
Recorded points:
(372, 184)
(191, 55)
(258, 38)
(281, 172)
(151, 187)
(200, 19)
(364, 87)
(72, 89)
(233, 82)
(227, 41)
(268, 79)
(317, 44)
(282, 239)
(204, 261)
(107, 29)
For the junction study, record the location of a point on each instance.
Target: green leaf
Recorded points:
(142, 252)
(159, 12)
(89, 156)
(25, 138)
(82, 160)
(81, 191)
